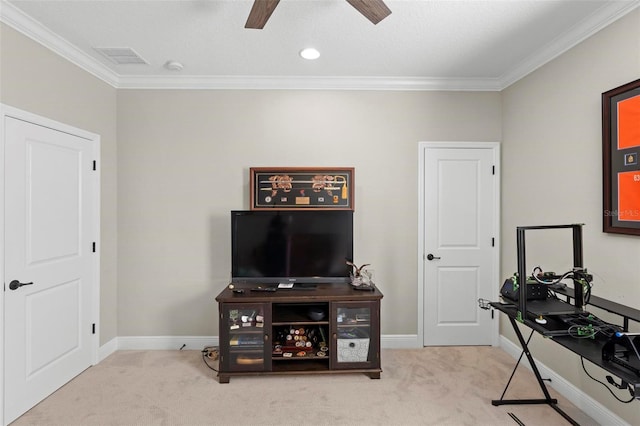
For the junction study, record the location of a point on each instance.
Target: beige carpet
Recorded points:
(430, 386)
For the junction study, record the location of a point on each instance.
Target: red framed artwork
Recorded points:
(620, 165)
(301, 188)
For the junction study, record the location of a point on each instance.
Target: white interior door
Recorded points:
(459, 243)
(49, 267)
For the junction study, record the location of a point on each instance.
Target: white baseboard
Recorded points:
(107, 349)
(584, 402)
(399, 341)
(165, 342)
(129, 343)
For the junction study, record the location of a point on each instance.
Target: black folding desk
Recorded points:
(575, 300)
(589, 349)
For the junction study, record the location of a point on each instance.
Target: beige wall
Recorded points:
(37, 80)
(184, 159)
(552, 174)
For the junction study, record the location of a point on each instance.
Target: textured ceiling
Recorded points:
(422, 45)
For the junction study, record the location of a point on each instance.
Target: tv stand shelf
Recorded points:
(298, 313)
(329, 329)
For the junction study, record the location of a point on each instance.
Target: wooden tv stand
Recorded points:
(331, 328)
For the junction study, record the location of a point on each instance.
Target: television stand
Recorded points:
(329, 328)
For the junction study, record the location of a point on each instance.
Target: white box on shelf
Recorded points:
(353, 350)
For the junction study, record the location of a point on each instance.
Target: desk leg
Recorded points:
(552, 402)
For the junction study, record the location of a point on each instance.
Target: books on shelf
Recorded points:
(246, 340)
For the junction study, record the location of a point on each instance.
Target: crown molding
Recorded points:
(15, 18)
(605, 16)
(307, 83)
(23, 23)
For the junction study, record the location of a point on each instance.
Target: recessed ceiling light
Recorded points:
(310, 53)
(174, 66)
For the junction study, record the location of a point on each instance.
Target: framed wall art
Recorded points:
(302, 188)
(620, 167)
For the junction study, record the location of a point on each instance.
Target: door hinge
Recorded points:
(93, 246)
(95, 167)
(493, 170)
(93, 328)
(492, 314)
(493, 242)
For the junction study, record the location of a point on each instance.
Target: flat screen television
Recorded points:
(297, 246)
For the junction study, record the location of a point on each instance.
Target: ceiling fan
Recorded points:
(374, 10)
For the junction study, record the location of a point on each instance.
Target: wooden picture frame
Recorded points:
(302, 188)
(620, 163)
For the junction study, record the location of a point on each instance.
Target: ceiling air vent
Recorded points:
(121, 55)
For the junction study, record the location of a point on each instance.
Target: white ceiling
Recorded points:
(422, 45)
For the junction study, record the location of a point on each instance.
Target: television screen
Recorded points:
(280, 246)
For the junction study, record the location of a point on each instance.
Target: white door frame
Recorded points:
(94, 140)
(495, 270)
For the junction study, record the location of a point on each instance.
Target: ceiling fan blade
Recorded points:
(373, 10)
(260, 13)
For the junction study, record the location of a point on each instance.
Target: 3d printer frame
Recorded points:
(522, 264)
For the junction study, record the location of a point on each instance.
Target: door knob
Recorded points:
(15, 284)
(431, 257)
